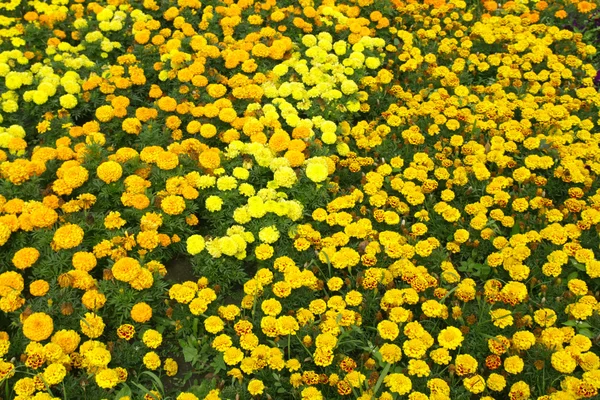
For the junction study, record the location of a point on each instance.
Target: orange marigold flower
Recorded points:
(25, 257)
(67, 237)
(210, 159)
(38, 326)
(141, 312)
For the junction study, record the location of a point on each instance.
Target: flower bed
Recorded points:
(299, 200)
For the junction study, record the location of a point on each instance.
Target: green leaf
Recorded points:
(156, 380)
(146, 391)
(586, 333)
(579, 266)
(484, 271)
(125, 391)
(515, 229)
(219, 364)
(190, 353)
(381, 378)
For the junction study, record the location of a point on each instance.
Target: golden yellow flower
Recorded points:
(38, 327)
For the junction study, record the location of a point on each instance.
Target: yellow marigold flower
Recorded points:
(93, 300)
(398, 383)
(578, 287)
(25, 387)
(68, 340)
(545, 317)
(113, 220)
(317, 169)
(171, 367)
(67, 237)
(195, 244)
(213, 324)
(563, 362)
(151, 360)
(523, 340)
(167, 160)
(496, 382)
(585, 7)
(474, 384)
(287, 325)
(105, 113)
(388, 330)
(264, 251)
(441, 356)
(107, 378)
(141, 312)
(152, 338)
(222, 343)
(132, 126)
(311, 393)
(450, 338)
(39, 287)
(173, 205)
(210, 159)
(25, 257)
(5, 233)
(84, 261)
(68, 101)
(38, 326)
(502, 317)
(418, 368)
(465, 364)
(126, 269)
(390, 353)
(520, 391)
(109, 171)
(92, 325)
(271, 307)
(256, 387)
(513, 364)
(54, 374)
(268, 234)
(148, 240)
(213, 203)
(187, 396)
(233, 356)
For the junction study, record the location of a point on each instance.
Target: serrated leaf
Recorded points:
(190, 353)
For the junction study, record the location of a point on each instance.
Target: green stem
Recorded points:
(305, 348)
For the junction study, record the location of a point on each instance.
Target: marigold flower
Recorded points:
(450, 338)
(38, 327)
(92, 325)
(141, 312)
(67, 237)
(173, 205)
(256, 387)
(109, 171)
(25, 257)
(151, 360)
(107, 378)
(152, 338)
(54, 374)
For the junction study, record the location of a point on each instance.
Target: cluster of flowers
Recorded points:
(307, 200)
